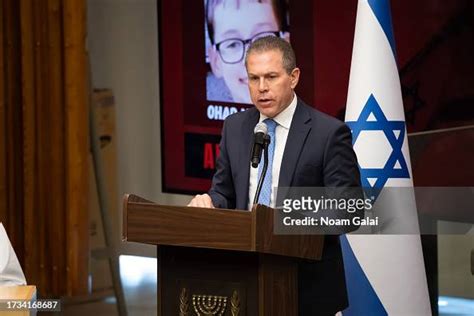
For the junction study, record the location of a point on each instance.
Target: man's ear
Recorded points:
(294, 77)
(215, 61)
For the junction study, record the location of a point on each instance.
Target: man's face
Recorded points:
(243, 22)
(271, 87)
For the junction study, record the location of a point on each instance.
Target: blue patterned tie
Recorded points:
(266, 192)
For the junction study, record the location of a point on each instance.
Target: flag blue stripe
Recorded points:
(362, 297)
(381, 9)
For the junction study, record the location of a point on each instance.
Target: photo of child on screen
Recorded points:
(231, 26)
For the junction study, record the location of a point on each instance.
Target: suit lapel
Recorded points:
(297, 134)
(245, 155)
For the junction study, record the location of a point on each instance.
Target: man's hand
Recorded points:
(201, 200)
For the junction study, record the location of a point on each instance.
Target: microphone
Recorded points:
(260, 132)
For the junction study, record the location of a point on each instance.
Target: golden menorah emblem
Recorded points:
(209, 305)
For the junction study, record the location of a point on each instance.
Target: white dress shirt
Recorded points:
(283, 119)
(10, 269)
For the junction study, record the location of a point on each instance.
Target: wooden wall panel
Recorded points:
(32, 255)
(3, 160)
(13, 126)
(44, 138)
(57, 139)
(41, 110)
(77, 149)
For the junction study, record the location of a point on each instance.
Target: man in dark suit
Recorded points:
(310, 149)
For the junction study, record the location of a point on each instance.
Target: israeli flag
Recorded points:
(385, 273)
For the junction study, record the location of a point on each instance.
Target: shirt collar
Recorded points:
(284, 117)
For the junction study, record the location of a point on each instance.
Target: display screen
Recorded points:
(203, 77)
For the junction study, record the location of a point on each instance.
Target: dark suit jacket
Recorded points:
(318, 153)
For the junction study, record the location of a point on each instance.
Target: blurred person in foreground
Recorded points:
(11, 273)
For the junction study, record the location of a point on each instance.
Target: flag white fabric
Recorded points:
(11, 273)
(385, 273)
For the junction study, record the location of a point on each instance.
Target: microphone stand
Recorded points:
(266, 142)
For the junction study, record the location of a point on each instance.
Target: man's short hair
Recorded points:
(269, 43)
(279, 10)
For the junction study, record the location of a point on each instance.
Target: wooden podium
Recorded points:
(220, 262)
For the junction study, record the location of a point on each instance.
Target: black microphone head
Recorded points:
(260, 131)
(261, 128)
(254, 163)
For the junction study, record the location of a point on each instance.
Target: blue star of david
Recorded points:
(378, 122)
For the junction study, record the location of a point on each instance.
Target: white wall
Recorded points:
(123, 48)
(454, 262)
